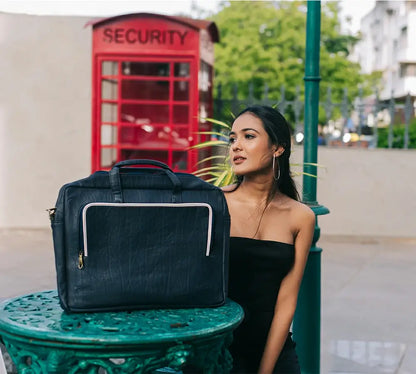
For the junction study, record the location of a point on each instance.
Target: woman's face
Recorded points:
(250, 148)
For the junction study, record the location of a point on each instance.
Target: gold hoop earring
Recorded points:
(274, 171)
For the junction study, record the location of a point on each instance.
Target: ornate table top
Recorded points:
(40, 316)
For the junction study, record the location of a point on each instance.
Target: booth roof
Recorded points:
(197, 24)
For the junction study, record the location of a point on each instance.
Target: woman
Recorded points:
(271, 234)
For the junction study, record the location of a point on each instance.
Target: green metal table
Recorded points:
(41, 338)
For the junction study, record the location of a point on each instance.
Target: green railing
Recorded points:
(392, 120)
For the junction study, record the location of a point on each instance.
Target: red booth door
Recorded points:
(143, 109)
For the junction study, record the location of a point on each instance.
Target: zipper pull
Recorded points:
(80, 260)
(51, 212)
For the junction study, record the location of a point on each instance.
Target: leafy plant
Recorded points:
(220, 172)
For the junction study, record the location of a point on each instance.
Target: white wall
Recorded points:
(45, 113)
(368, 191)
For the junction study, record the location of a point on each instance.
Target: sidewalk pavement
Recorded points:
(368, 311)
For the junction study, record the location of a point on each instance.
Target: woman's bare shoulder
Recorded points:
(299, 210)
(303, 215)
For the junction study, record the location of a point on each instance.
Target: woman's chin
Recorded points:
(238, 172)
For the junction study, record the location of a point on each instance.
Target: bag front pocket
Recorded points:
(145, 253)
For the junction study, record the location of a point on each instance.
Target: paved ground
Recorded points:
(368, 296)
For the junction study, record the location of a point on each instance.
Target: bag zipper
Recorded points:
(80, 259)
(51, 212)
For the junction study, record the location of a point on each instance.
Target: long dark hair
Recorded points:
(278, 131)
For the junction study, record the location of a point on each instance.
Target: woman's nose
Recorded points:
(235, 146)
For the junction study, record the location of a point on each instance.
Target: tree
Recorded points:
(254, 48)
(263, 42)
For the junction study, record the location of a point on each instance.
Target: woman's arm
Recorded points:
(288, 293)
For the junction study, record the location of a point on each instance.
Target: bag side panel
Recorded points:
(58, 236)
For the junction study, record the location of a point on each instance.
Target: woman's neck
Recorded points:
(256, 190)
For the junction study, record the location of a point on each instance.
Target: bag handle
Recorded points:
(142, 162)
(115, 181)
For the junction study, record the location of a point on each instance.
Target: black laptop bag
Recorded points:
(140, 238)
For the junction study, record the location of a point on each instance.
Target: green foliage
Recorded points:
(263, 42)
(260, 43)
(398, 136)
(216, 169)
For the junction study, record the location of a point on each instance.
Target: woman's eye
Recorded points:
(249, 136)
(231, 140)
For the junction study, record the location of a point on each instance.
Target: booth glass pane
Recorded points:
(145, 113)
(108, 135)
(180, 160)
(205, 77)
(181, 91)
(108, 112)
(204, 96)
(129, 135)
(203, 112)
(109, 68)
(154, 69)
(155, 137)
(108, 157)
(109, 89)
(146, 136)
(129, 154)
(180, 114)
(145, 90)
(180, 138)
(181, 69)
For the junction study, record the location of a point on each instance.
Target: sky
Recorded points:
(101, 8)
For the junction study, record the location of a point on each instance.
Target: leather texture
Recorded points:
(140, 256)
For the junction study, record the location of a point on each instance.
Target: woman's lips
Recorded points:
(238, 160)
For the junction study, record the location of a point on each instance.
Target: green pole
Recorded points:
(307, 321)
(312, 78)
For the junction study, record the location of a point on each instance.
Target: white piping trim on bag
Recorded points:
(169, 205)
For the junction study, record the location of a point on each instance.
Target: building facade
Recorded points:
(389, 45)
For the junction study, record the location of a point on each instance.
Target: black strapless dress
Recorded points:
(257, 268)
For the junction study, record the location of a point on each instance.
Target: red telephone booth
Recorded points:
(152, 82)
